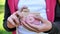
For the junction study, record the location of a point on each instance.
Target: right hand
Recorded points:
(13, 20)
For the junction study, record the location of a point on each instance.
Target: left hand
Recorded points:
(45, 26)
(28, 27)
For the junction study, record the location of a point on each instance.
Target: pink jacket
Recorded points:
(50, 9)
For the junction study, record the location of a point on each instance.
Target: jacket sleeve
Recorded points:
(55, 28)
(6, 15)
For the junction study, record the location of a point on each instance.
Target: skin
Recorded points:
(45, 26)
(13, 21)
(25, 13)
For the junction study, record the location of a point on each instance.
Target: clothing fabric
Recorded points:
(37, 6)
(55, 27)
(50, 8)
(58, 10)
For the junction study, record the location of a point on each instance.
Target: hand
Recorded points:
(13, 20)
(37, 17)
(45, 26)
(24, 9)
(28, 27)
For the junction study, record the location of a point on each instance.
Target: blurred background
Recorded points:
(2, 30)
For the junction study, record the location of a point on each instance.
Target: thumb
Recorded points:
(24, 7)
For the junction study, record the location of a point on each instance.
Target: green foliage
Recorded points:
(1, 9)
(2, 2)
(2, 30)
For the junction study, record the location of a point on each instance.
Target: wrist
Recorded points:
(51, 28)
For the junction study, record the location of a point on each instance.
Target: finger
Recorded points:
(16, 20)
(37, 17)
(34, 26)
(28, 27)
(20, 15)
(10, 20)
(25, 10)
(37, 27)
(24, 7)
(44, 21)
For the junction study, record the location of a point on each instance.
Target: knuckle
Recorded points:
(13, 17)
(9, 18)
